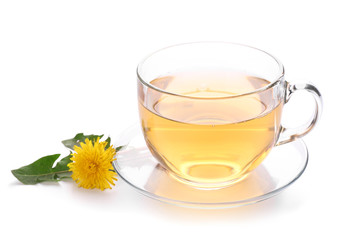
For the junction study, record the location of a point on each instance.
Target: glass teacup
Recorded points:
(211, 111)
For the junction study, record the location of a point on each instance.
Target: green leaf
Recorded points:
(80, 137)
(42, 170)
(108, 140)
(119, 148)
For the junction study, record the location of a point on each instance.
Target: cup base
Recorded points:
(206, 186)
(137, 167)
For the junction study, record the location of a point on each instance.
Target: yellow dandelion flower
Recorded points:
(91, 165)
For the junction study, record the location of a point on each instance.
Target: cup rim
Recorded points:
(270, 85)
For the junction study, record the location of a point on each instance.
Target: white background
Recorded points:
(68, 66)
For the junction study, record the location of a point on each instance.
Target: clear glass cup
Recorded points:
(211, 111)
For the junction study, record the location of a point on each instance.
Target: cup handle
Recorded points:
(290, 134)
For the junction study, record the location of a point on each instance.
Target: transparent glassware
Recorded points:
(195, 124)
(146, 164)
(136, 166)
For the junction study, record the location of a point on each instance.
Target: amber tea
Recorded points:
(203, 135)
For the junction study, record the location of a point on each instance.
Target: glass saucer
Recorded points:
(136, 166)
